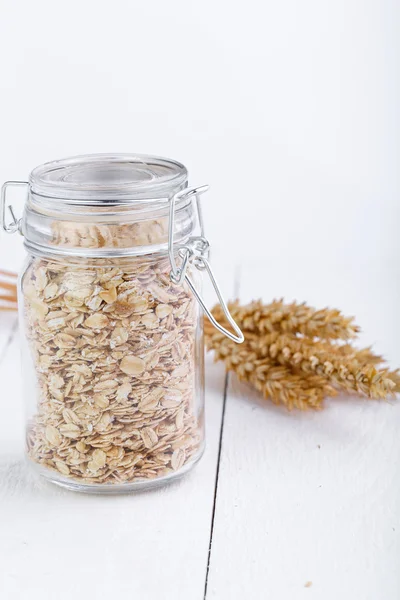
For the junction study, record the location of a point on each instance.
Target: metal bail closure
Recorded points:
(13, 225)
(196, 251)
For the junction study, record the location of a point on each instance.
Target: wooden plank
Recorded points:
(312, 497)
(56, 543)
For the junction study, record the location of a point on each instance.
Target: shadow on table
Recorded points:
(18, 481)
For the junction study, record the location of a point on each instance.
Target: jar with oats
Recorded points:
(111, 315)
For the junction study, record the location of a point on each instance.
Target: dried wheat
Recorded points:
(291, 318)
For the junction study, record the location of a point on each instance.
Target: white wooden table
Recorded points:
(282, 506)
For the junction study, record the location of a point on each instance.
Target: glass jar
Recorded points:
(109, 305)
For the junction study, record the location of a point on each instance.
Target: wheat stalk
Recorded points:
(291, 318)
(345, 372)
(8, 290)
(298, 361)
(281, 384)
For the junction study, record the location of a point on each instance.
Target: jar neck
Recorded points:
(104, 232)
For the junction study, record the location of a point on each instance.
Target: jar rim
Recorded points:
(109, 179)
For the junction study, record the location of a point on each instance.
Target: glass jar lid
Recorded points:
(106, 205)
(108, 179)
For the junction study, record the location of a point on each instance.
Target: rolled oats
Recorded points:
(114, 349)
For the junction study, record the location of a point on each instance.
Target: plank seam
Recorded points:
(236, 288)
(221, 433)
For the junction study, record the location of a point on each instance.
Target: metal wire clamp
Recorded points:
(196, 252)
(14, 224)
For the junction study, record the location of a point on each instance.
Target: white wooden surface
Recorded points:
(313, 497)
(278, 500)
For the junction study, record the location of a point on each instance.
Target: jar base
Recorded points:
(113, 488)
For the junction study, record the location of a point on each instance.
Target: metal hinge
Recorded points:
(196, 252)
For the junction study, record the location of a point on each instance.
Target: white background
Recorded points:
(290, 111)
